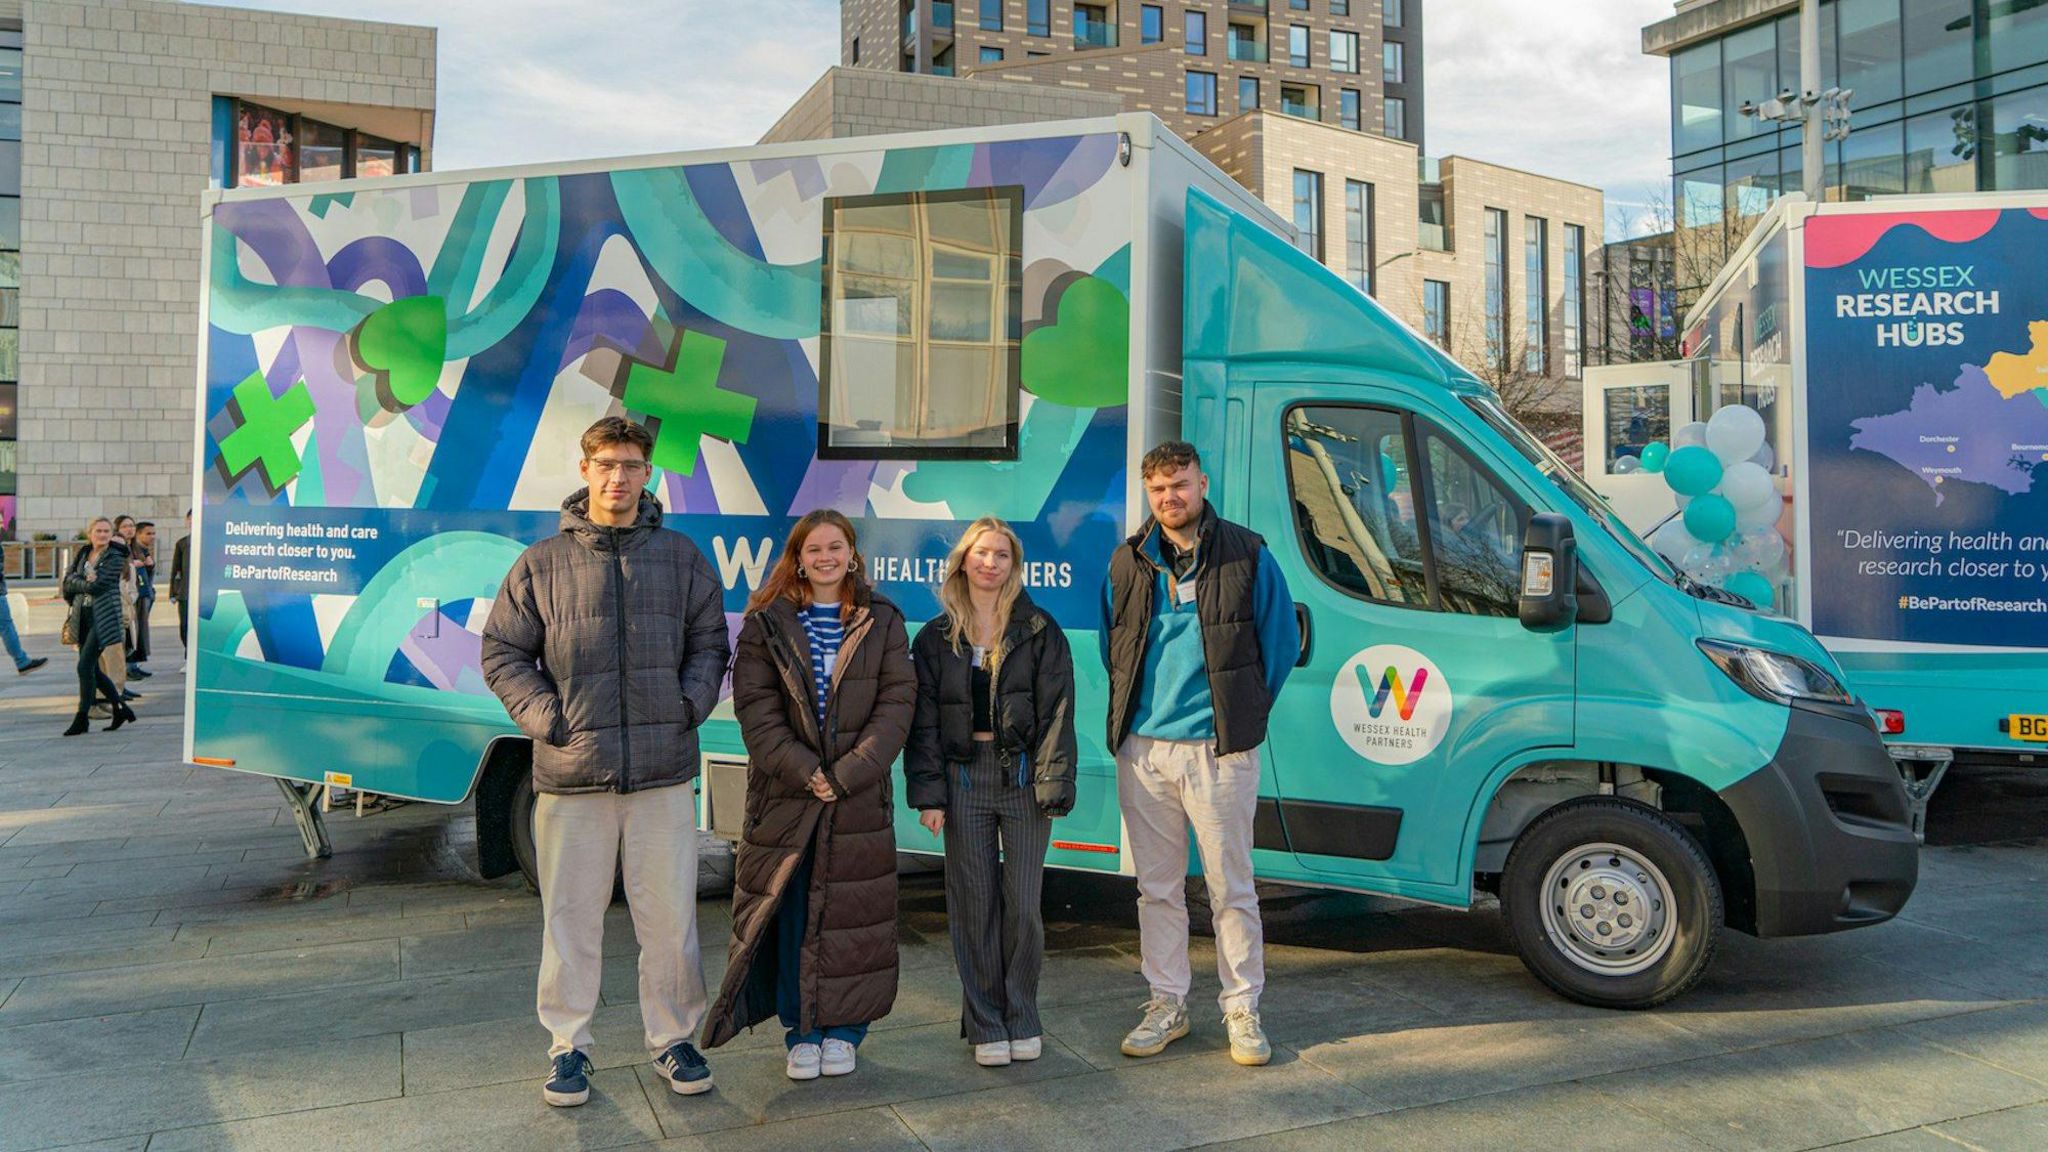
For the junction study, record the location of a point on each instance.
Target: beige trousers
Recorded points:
(1165, 787)
(581, 841)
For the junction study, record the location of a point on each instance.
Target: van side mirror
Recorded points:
(1550, 565)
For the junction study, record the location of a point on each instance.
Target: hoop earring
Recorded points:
(800, 572)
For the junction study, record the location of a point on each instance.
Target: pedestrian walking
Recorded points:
(989, 766)
(824, 692)
(116, 658)
(181, 559)
(144, 548)
(607, 644)
(1198, 634)
(23, 662)
(92, 589)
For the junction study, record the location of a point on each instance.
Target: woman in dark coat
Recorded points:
(95, 580)
(823, 689)
(990, 765)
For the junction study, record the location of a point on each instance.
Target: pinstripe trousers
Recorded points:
(996, 839)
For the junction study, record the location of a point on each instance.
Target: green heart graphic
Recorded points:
(1082, 359)
(403, 344)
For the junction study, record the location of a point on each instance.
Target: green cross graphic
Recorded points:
(265, 433)
(685, 403)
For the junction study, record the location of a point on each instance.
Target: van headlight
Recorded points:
(1775, 676)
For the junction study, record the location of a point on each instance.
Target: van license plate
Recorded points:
(2023, 727)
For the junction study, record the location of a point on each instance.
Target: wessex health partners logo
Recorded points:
(1391, 704)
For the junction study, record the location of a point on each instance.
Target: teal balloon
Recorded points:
(1655, 455)
(1710, 518)
(1693, 471)
(1751, 587)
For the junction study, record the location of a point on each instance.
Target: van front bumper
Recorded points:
(1829, 827)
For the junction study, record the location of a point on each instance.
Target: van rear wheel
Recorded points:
(1611, 903)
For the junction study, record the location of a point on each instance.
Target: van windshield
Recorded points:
(1568, 482)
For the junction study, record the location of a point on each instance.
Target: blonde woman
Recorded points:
(93, 589)
(990, 765)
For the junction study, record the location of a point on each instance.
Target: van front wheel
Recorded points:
(1611, 903)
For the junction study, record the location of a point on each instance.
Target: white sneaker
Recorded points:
(993, 1054)
(838, 1057)
(1248, 1044)
(803, 1062)
(1027, 1049)
(1166, 1020)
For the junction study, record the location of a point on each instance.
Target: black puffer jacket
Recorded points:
(1033, 701)
(103, 583)
(607, 647)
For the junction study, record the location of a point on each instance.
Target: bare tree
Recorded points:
(1544, 401)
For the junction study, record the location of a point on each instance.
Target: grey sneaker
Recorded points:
(1166, 1020)
(1247, 1039)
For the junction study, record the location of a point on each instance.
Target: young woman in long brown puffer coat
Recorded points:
(823, 689)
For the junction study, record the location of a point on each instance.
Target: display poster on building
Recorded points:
(1927, 386)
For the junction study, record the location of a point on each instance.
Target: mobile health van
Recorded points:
(1499, 688)
(1898, 351)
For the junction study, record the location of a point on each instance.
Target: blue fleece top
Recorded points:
(1173, 698)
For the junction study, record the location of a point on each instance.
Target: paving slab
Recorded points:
(67, 1047)
(1816, 1092)
(136, 1100)
(388, 1007)
(206, 981)
(1553, 1116)
(869, 1130)
(502, 1118)
(1176, 1104)
(2011, 1037)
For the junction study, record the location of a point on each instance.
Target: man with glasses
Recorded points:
(607, 644)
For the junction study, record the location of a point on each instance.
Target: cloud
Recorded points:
(1559, 87)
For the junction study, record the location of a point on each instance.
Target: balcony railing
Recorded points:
(1249, 5)
(1298, 109)
(1247, 50)
(1433, 237)
(1094, 34)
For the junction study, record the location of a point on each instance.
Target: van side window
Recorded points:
(1475, 531)
(921, 326)
(1354, 502)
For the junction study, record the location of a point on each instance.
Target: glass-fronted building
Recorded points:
(1949, 96)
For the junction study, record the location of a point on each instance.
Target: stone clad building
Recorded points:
(128, 110)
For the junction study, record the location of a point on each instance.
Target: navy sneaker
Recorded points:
(684, 1069)
(32, 665)
(570, 1084)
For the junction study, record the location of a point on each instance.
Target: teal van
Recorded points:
(1500, 688)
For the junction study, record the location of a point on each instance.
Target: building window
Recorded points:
(942, 61)
(991, 55)
(1343, 51)
(1535, 296)
(1298, 5)
(1436, 312)
(1092, 28)
(323, 152)
(1574, 335)
(1151, 24)
(1347, 108)
(377, 157)
(271, 147)
(1201, 93)
(265, 147)
(1245, 44)
(1303, 100)
(1496, 285)
(1358, 249)
(856, 49)
(991, 15)
(1392, 13)
(1393, 63)
(1038, 17)
(1247, 93)
(942, 14)
(922, 325)
(1308, 212)
(1696, 98)
(1195, 33)
(1396, 116)
(1297, 45)
(1340, 7)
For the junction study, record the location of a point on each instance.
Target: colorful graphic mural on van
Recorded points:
(396, 378)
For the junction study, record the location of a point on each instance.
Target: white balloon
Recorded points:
(1689, 434)
(1766, 458)
(1761, 550)
(1672, 541)
(1627, 465)
(1680, 499)
(1763, 514)
(1698, 559)
(1745, 484)
(1735, 433)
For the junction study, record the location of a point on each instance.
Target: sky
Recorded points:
(1559, 87)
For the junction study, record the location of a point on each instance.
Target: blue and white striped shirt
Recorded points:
(823, 626)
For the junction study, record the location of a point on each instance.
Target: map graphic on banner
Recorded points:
(1927, 431)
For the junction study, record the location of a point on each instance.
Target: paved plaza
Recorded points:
(174, 974)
